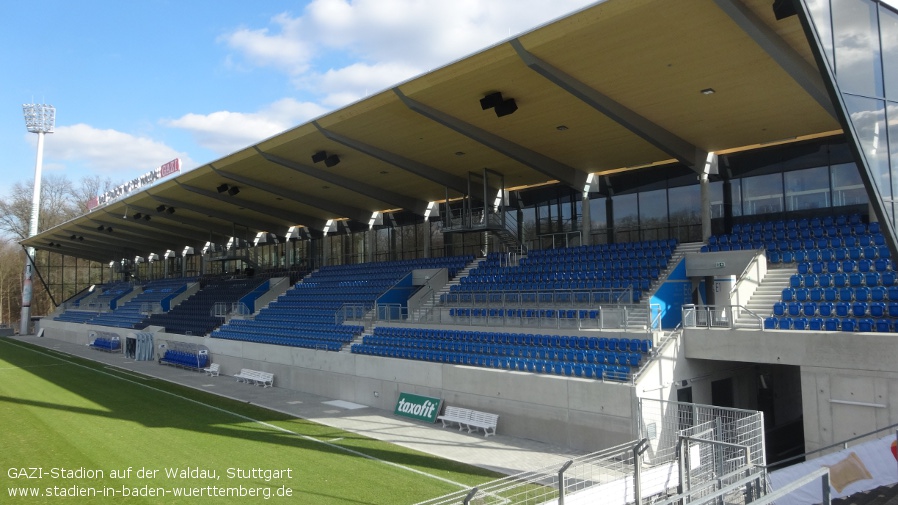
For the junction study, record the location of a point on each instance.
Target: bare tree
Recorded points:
(58, 204)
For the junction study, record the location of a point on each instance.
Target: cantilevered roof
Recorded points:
(618, 85)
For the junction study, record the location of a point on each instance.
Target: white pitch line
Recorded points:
(30, 366)
(263, 423)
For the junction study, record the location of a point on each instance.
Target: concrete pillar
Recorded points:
(705, 186)
(585, 220)
(427, 238)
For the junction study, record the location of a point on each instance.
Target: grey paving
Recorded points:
(501, 453)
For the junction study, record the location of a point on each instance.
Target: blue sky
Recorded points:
(138, 83)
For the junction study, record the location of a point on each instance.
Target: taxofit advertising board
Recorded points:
(422, 408)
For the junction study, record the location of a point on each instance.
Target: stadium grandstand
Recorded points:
(643, 201)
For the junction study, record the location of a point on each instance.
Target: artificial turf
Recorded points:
(72, 427)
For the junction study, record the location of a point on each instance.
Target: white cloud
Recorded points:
(352, 82)
(224, 132)
(109, 152)
(376, 43)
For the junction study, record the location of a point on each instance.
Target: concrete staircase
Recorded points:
(641, 313)
(427, 306)
(769, 291)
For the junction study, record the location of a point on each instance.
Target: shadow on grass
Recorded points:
(163, 404)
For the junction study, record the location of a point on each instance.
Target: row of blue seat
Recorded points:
(617, 246)
(829, 232)
(520, 339)
(598, 371)
(850, 324)
(834, 266)
(246, 332)
(184, 359)
(513, 351)
(840, 309)
(838, 280)
(106, 344)
(791, 224)
(843, 294)
(285, 341)
(869, 252)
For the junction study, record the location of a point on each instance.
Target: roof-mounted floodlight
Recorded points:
(588, 185)
(152, 257)
(263, 237)
(374, 219)
(429, 210)
(187, 251)
(170, 254)
(327, 226)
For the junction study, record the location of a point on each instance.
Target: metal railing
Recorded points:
(523, 298)
(601, 477)
(716, 316)
(645, 317)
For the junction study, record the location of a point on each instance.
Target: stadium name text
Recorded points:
(173, 166)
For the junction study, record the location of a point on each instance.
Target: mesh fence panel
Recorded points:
(612, 469)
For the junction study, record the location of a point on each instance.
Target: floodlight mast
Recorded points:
(40, 119)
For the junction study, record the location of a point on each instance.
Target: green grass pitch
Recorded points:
(76, 432)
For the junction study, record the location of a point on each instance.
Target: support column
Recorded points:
(609, 219)
(706, 206)
(585, 220)
(428, 239)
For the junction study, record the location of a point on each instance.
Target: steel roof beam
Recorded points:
(411, 166)
(659, 137)
(541, 163)
(295, 217)
(806, 75)
(336, 207)
(241, 221)
(198, 226)
(388, 197)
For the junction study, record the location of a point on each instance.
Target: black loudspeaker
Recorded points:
(491, 100)
(783, 9)
(319, 157)
(331, 161)
(506, 107)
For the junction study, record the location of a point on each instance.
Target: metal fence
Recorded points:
(685, 453)
(603, 477)
(711, 447)
(618, 316)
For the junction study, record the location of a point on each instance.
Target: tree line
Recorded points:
(61, 200)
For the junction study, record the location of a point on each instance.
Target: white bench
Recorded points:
(212, 370)
(472, 420)
(264, 379)
(456, 415)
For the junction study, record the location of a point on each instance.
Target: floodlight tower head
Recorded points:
(39, 117)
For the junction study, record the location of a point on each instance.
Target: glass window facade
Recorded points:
(859, 40)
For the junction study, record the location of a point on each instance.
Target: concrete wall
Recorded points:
(579, 413)
(848, 384)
